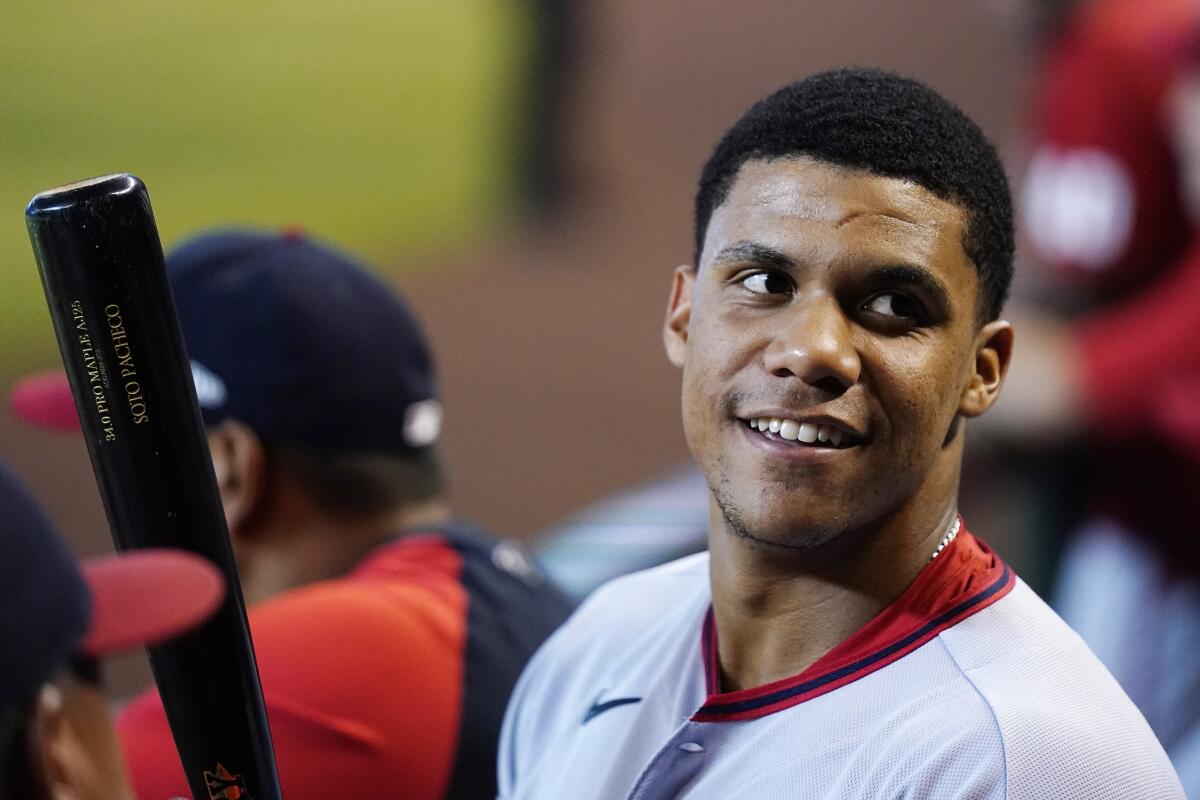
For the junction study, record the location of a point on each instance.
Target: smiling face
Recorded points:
(830, 341)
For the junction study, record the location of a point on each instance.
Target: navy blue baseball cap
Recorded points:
(293, 337)
(52, 608)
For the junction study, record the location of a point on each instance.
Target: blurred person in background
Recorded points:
(1108, 366)
(388, 634)
(56, 620)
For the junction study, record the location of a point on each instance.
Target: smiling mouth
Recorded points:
(808, 434)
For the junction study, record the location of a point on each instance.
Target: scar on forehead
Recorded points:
(890, 214)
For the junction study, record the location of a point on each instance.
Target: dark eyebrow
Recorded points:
(746, 252)
(920, 277)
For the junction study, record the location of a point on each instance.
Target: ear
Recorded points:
(993, 352)
(240, 463)
(74, 749)
(52, 748)
(679, 314)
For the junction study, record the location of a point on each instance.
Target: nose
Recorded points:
(816, 346)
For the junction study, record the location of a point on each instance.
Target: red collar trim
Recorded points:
(966, 578)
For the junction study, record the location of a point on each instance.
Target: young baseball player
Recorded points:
(845, 636)
(56, 620)
(388, 634)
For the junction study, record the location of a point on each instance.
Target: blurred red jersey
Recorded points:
(389, 682)
(1108, 204)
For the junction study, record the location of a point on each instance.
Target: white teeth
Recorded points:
(806, 432)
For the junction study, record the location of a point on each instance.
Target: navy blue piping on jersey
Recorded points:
(815, 683)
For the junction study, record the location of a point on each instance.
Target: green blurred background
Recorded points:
(388, 127)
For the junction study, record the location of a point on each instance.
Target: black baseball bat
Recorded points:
(101, 263)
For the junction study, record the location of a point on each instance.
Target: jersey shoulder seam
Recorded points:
(988, 703)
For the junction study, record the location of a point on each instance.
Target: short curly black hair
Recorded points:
(885, 124)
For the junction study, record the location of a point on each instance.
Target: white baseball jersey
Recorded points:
(967, 687)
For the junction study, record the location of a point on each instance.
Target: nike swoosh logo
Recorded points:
(599, 708)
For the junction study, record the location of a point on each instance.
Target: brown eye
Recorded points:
(767, 283)
(891, 304)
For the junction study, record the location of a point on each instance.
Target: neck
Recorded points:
(310, 547)
(778, 612)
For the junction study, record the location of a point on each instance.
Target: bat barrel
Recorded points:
(102, 269)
